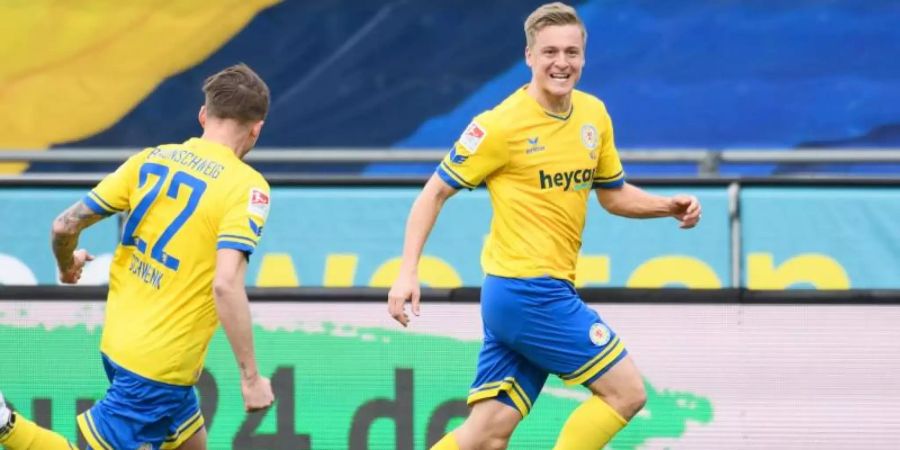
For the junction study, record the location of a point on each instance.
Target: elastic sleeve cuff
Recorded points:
(235, 246)
(448, 179)
(97, 204)
(611, 184)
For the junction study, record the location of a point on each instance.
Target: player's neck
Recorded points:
(550, 103)
(225, 138)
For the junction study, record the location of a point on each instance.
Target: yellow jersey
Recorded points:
(539, 168)
(184, 201)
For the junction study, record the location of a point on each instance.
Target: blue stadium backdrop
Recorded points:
(697, 73)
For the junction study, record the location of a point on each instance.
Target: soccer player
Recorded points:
(196, 213)
(540, 152)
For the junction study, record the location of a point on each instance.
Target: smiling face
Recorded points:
(556, 57)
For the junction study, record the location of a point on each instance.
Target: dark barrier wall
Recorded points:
(723, 369)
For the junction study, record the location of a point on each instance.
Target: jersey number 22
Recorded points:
(158, 251)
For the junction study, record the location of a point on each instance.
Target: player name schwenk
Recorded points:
(582, 179)
(145, 271)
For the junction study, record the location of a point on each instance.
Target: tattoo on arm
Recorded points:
(66, 229)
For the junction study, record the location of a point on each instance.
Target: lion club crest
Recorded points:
(589, 136)
(600, 334)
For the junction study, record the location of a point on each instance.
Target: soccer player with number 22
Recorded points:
(195, 214)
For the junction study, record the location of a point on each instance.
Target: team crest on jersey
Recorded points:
(589, 137)
(472, 137)
(259, 203)
(600, 334)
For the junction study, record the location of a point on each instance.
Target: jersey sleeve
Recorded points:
(479, 151)
(112, 194)
(242, 225)
(609, 173)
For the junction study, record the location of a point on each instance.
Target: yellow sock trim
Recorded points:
(590, 427)
(27, 435)
(447, 443)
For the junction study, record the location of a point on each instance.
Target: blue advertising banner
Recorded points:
(26, 257)
(825, 238)
(792, 237)
(353, 236)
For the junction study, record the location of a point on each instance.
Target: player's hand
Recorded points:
(257, 392)
(405, 288)
(686, 209)
(73, 273)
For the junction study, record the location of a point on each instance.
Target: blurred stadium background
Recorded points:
(772, 325)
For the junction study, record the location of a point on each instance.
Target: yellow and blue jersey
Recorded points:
(185, 201)
(539, 168)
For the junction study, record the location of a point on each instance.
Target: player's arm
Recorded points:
(110, 196)
(65, 231)
(628, 200)
(479, 152)
(419, 224)
(233, 309)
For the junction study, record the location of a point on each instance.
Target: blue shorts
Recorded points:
(137, 413)
(534, 327)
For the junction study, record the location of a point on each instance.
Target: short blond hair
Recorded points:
(548, 14)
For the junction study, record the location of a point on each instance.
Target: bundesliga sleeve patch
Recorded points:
(259, 203)
(472, 136)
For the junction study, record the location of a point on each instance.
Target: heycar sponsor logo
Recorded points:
(574, 180)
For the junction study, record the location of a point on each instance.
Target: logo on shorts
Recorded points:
(600, 334)
(145, 447)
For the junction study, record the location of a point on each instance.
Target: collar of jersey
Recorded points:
(200, 143)
(537, 105)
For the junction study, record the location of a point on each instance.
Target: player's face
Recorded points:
(556, 58)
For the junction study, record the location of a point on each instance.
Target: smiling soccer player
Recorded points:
(540, 152)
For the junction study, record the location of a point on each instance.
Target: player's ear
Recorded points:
(201, 116)
(527, 55)
(257, 129)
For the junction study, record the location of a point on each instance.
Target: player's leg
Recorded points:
(559, 333)
(187, 430)
(612, 377)
(140, 413)
(506, 383)
(195, 442)
(505, 388)
(19, 433)
(622, 388)
(489, 426)
(617, 396)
